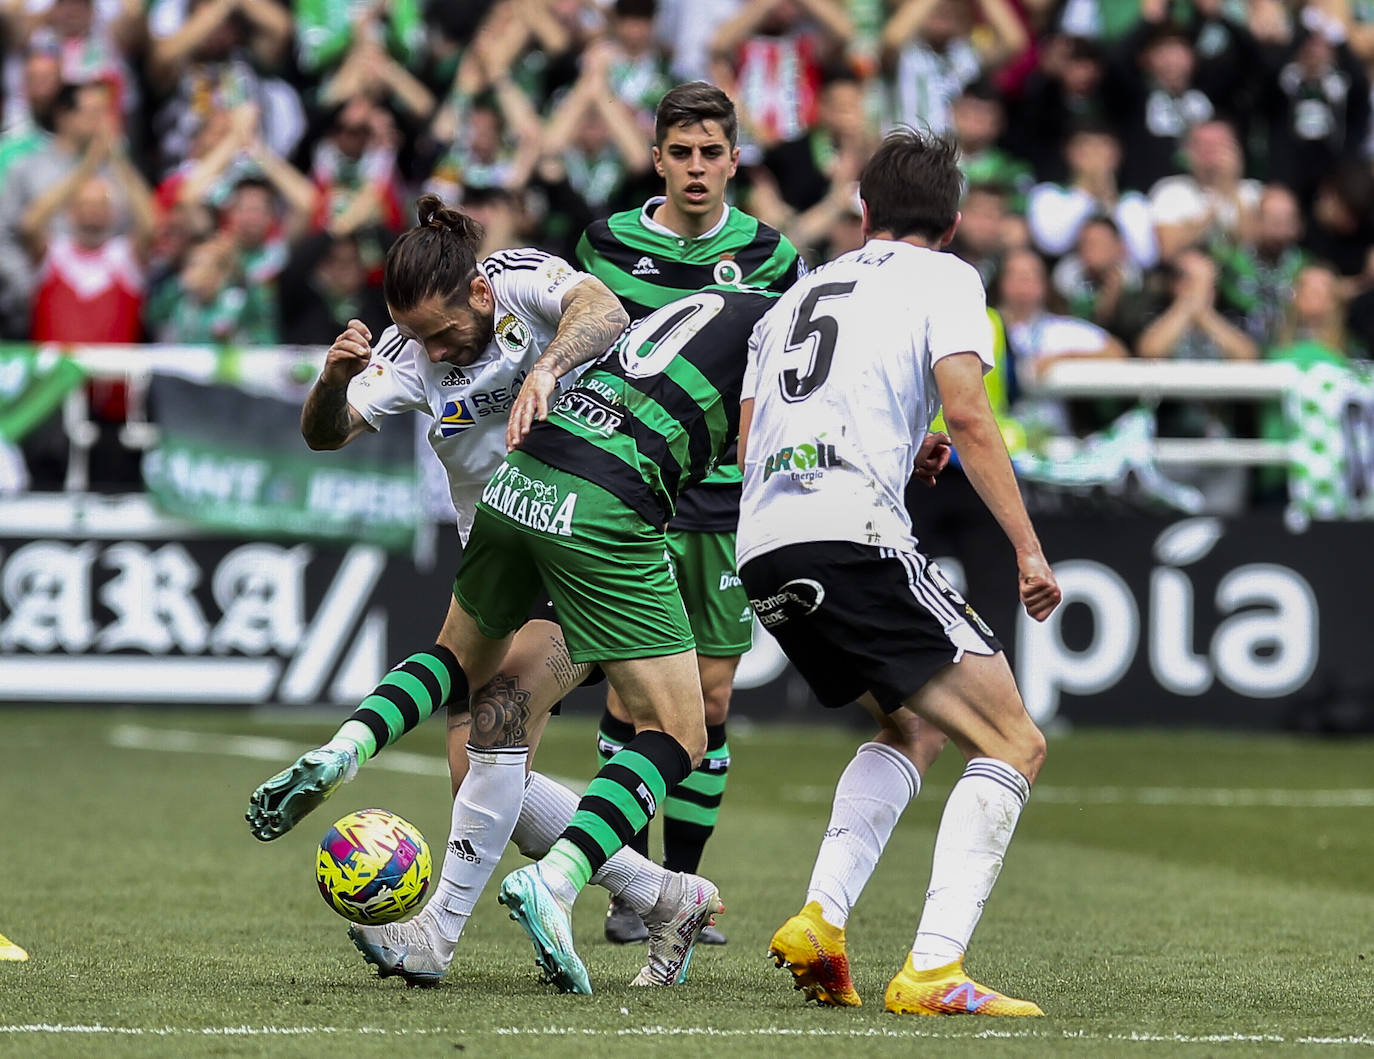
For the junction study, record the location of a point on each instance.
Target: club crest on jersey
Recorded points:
(529, 501)
(728, 272)
(456, 418)
(512, 333)
(805, 462)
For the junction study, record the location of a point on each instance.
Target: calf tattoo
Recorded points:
(501, 713)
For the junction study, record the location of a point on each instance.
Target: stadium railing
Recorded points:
(280, 368)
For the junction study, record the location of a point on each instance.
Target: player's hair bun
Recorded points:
(432, 213)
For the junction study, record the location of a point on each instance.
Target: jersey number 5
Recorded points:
(798, 386)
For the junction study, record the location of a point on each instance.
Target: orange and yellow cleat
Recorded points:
(948, 990)
(813, 951)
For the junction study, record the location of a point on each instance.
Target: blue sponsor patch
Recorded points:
(456, 418)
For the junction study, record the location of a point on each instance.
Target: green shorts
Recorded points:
(606, 569)
(717, 604)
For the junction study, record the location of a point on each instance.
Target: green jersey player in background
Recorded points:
(676, 244)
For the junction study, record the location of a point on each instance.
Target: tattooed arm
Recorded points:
(328, 421)
(592, 320)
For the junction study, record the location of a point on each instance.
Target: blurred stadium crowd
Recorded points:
(1186, 179)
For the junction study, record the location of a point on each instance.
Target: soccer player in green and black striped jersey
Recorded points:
(579, 508)
(676, 244)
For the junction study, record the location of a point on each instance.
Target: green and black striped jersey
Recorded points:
(659, 410)
(648, 265)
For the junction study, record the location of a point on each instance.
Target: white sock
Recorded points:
(873, 790)
(484, 814)
(976, 827)
(351, 749)
(544, 815)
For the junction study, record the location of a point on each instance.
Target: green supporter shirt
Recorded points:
(660, 410)
(648, 265)
(324, 31)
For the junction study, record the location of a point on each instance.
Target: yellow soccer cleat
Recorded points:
(813, 951)
(948, 990)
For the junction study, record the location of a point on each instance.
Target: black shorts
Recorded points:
(854, 618)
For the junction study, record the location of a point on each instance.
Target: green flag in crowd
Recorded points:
(33, 385)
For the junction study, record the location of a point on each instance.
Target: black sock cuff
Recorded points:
(614, 729)
(673, 762)
(458, 680)
(715, 736)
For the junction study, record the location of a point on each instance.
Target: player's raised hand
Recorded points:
(932, 457)
(1039, 590)
(531, 403)
(348, 355)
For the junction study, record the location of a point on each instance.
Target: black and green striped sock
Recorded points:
(611, 736)
(691, 809)
(406, 696)
(621, 799)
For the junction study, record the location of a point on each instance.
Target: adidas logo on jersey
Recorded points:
(454, 378)
(644, 267)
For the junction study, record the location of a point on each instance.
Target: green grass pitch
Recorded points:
(1166, 894)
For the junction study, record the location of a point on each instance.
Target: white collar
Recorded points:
(646, 219)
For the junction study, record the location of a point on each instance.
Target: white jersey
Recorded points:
(469, 406)
(840, 371)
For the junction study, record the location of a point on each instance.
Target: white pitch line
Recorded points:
(266, 748)
(910, 1033)
(260, 748)
(1187, 797)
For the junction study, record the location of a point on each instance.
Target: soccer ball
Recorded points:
(373, 867)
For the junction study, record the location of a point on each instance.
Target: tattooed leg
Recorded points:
(488, 747)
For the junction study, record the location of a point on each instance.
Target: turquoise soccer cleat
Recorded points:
(533, 905)
(282, 801)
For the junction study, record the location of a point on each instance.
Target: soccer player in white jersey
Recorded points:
(479, 347)
(844, 376)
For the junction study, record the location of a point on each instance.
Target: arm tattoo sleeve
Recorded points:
(592, 320)
(326, 419)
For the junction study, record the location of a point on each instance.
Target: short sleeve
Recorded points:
(532, 282)
(389, 384)
(957, 320)
(751, 367)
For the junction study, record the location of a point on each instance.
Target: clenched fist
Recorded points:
(348, 356)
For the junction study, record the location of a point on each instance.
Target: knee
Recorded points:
(693, 741)
(1033, 750)
(717, 703)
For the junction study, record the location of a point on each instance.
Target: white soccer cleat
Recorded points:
(406, 949)
(684, 907)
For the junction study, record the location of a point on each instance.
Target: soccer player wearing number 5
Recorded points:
(845, 373)
(676, 244)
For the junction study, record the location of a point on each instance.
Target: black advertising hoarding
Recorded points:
(104, 601)
(1185, 621)
(1193, 621)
